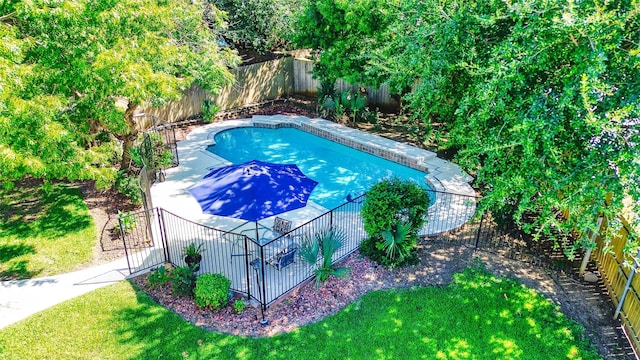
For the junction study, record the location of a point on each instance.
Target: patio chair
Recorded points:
(280, 227)
(284, 258)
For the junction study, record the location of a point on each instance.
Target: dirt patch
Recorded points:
(104, 206)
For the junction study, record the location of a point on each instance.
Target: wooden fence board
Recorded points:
(615, 275)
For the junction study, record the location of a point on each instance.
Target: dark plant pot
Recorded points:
(193, 261)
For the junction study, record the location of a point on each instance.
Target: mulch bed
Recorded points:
(311, 303)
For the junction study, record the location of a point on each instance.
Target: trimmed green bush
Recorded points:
(183, 280)
(393, 212)
(212, 291)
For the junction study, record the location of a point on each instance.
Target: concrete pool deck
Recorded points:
(443, 176)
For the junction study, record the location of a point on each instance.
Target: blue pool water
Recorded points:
(338, 169)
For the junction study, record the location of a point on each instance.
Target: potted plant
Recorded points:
(193, 255)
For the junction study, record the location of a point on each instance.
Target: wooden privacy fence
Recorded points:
(253, 84)
(621, 280)
(258, 83)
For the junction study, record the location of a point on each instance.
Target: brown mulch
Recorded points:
(311, 303)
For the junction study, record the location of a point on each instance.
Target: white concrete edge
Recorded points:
(442, 175)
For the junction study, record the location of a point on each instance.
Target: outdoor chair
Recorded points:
(284, 257)
(280, 227)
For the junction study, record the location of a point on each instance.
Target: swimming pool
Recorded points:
(338, 169)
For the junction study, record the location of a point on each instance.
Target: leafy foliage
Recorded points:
(351, 105)
(393, 212)
(128, 186)
(74, 71)
(212, 291)
(209, 109)
(343, 34)
(261, 25)
(193, 250)
(540, 98)
(183, 280)
(158, 277)
(127, 222)
(154, 153)
(392, 200)
(324, 244)
(395, 240)
(239, 306)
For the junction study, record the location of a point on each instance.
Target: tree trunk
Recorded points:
(128, 139)
(587, 256)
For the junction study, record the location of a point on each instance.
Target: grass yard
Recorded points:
(478, 316)
(44, 233)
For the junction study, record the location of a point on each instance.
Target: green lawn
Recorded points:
(44, 233)
(479, 316)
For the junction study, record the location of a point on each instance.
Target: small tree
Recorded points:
(393, 212)
(78, 70)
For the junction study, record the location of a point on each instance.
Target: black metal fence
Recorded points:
(484, 230)
(158, 237)
(158, 151)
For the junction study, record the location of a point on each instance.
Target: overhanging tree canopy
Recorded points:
(541, 98)
(67, 64)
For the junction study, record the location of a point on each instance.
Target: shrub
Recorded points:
(126, 222)
(183, 280)
(212, 291)
(158, 277)
(129, 187)
(239, 306)
(209, 110)
(393, 212)
(347, 104)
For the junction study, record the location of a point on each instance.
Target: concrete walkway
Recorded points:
(20, 299)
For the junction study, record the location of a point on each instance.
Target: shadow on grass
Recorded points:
(16, 269)
(11, 251)
(58, 213)
(160, 333)
(478, 315)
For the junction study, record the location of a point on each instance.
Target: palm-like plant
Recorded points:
(324, 242)
(396, 240)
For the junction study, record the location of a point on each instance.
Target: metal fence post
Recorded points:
(246, 265)
(626, 287)
(124, 243)
(479, 230)
(263, 300)
(163, 235)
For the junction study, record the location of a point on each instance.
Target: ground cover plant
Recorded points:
(44, 231)
(478, 316)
